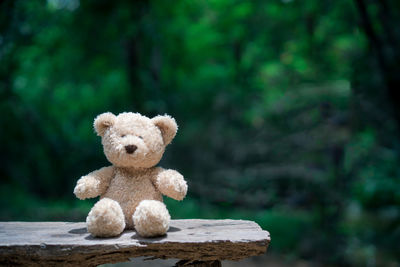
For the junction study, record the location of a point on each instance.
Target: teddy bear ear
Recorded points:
(102, 122)
(168, 127)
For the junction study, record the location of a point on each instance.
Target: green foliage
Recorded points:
(285, 112)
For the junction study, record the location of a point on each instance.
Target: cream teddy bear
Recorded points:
(131, 189)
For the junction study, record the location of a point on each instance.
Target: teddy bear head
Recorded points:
(132, 140)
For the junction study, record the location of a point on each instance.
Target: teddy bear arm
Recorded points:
(171, 183)
(94, 184)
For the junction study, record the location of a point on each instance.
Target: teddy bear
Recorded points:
(131, 188)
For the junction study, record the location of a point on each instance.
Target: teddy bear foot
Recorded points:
(105, 219)
(151, 218)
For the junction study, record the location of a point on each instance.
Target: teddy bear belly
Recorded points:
(129, 199)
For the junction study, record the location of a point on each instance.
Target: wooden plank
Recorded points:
(68, 243)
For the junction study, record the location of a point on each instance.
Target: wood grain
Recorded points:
(67, 243)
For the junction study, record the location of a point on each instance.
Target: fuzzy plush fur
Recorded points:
(131, 189)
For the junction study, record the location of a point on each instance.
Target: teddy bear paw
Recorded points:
(172, 184)
(151, 218)
(86, 187)
(106, 219)
(181, 189)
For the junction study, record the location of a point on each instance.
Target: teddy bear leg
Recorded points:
(105, 219)
(151, 218)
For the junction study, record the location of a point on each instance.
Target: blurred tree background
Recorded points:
(288, 110)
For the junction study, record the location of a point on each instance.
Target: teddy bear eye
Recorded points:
(123, 135)
(140, 137)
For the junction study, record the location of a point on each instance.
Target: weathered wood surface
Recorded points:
(67, 243)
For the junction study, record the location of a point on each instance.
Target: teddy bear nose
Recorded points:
(130, 149)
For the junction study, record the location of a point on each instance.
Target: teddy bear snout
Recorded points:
(130, 149)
